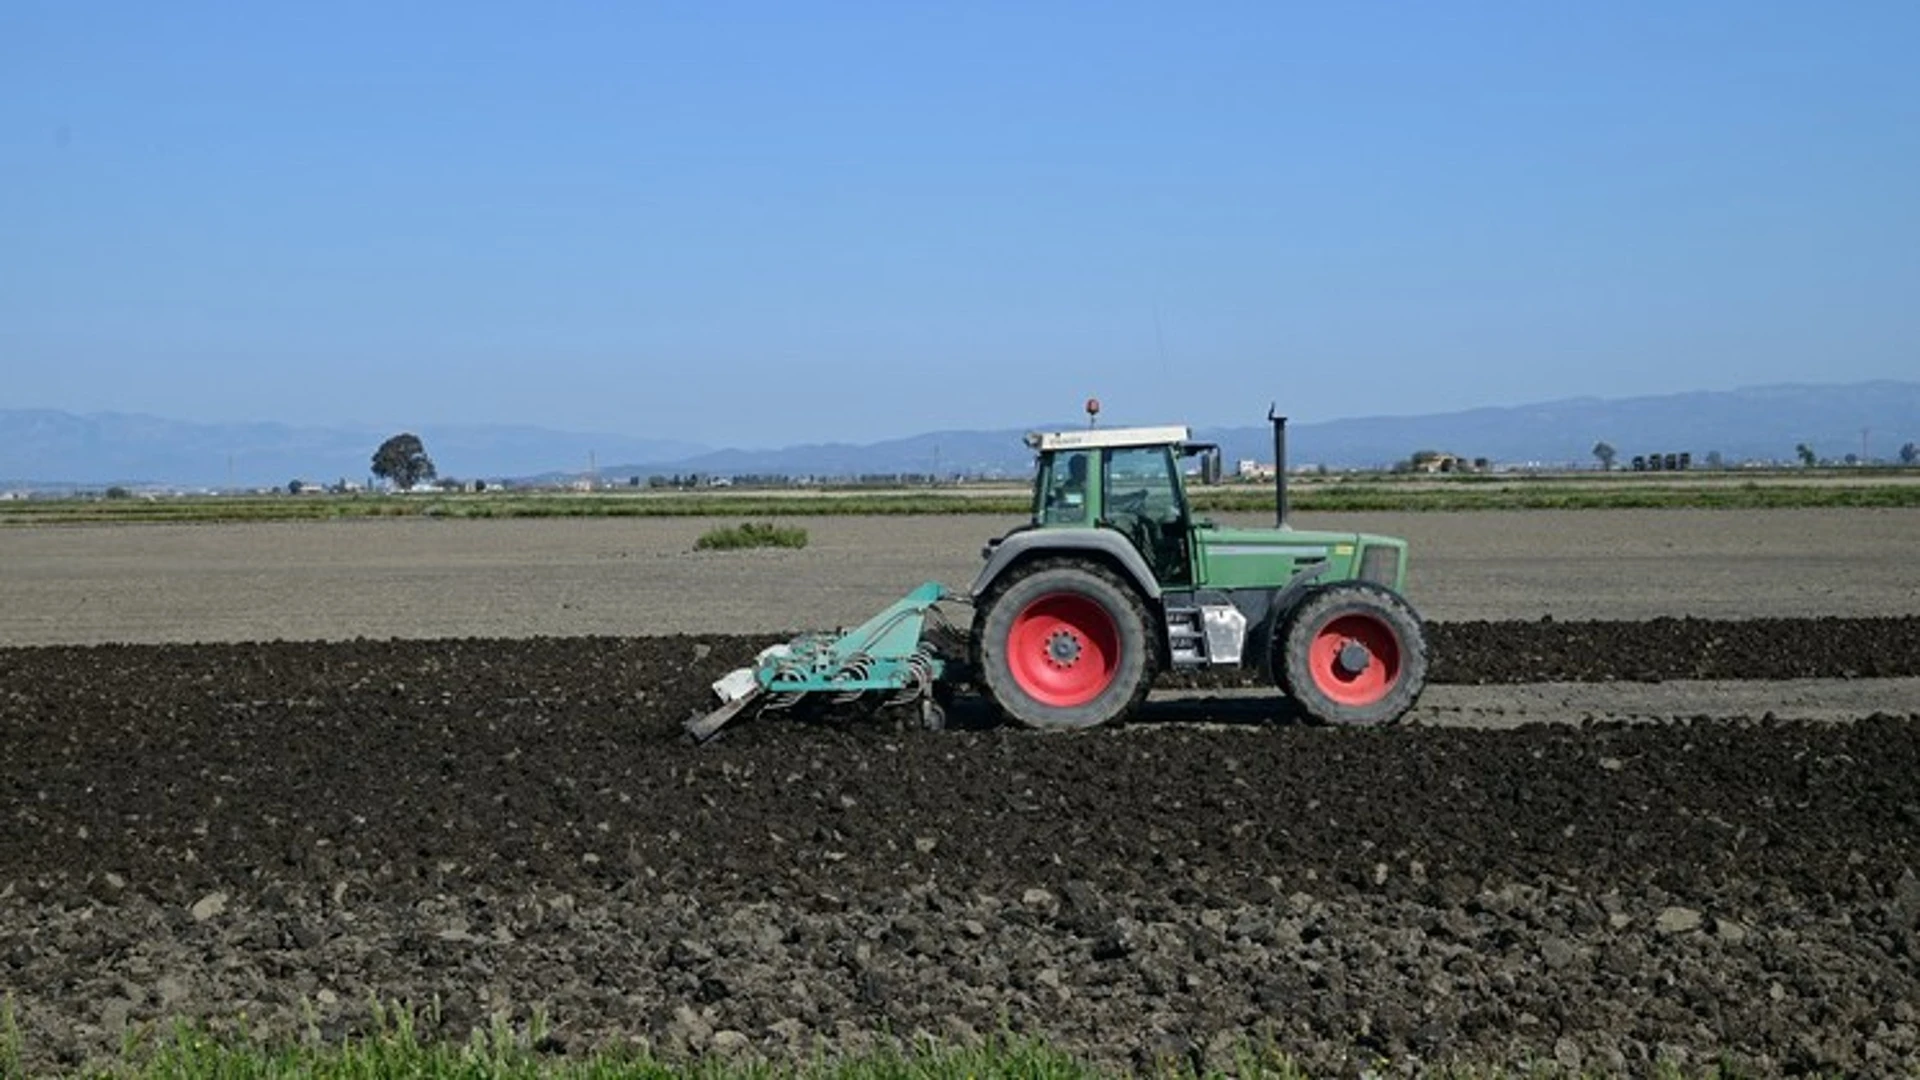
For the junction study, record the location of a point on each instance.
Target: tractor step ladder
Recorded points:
(1186, 637)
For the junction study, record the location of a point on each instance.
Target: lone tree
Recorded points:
(1806, 454)
(1909, 454)
(403, 461)
(1606, 453)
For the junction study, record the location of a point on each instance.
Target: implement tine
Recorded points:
(706, 727)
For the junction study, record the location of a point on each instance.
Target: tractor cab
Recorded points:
(1128, 480)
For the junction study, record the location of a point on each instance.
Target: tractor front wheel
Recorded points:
(1352, 653)
(1063, 645)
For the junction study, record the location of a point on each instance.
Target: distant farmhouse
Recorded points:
(1434, 462)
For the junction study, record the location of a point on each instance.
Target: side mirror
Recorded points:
(1209, 455)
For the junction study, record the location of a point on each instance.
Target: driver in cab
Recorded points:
(1067, 502)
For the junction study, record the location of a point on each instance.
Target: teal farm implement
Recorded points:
(1113, 581)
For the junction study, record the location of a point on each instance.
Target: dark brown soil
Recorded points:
(1661, 649)
(288, 830)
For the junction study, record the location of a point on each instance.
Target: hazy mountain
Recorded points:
(971, 453)
(44, 447)
(1755, 424)
(1762, 423)
(41, 448)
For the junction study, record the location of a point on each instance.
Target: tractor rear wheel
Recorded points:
(1063, 644)
(1352, 653)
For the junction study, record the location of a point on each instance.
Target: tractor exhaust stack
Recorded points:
(1279, 467)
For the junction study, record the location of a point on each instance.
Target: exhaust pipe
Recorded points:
(1279, 467)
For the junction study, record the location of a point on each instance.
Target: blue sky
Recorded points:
(756, 224)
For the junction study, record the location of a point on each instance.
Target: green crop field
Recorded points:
(1357, 492)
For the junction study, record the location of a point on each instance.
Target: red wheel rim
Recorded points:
(1334, 673)
(1063, 649)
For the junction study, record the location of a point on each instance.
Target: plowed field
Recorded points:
(282, 831)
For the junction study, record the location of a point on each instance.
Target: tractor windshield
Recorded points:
(1140, 482)
(1143, 499)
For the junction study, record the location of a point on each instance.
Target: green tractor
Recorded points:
(1113, 581)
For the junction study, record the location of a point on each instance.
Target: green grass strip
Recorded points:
(392, 1047)
(1366, 495)
(10, 1041)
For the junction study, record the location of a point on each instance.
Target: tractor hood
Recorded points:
(1252, 558)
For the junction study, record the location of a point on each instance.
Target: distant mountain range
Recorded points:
(1758, 424)
(50, 449)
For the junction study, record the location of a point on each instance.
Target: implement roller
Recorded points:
(1111, 582)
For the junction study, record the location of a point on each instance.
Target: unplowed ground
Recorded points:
(281, 832)
(424, 578)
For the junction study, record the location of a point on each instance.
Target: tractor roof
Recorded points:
(1095, 438)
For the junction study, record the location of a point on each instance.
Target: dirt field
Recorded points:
(1599, 845)
(283, 831)
(429, 578)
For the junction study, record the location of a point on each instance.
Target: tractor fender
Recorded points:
(1285, 599)
(1022, 544)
